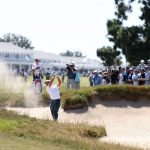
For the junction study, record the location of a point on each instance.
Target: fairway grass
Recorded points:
(10, 142)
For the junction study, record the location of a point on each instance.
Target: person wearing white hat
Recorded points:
(97, 79)
(54, 93)
(36, 63)
(141, 65)
(135, 77)
(36, 69)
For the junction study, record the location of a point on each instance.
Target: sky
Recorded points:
(59, 25)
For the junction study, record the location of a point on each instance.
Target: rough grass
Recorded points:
(108, 92)
(11, 122)
(22, 132)
(82, 96)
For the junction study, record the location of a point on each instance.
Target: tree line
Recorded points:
(133, 41)
(24, 42)
(18, 40)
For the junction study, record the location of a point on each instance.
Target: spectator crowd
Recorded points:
(139, 75)
(135, 75)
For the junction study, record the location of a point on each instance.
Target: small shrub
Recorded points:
(75, 99)
(94, 132)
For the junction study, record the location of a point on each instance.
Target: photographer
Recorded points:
(70, 72)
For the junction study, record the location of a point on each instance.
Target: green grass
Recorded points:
(84, 82)
(21, 132)
(11, 142)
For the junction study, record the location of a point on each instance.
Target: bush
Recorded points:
(94, 132)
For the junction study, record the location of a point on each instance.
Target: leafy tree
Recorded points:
(72, 54)
(78, 54)
(19, 40)
(134, 41)
(67, 53)
(109, 56)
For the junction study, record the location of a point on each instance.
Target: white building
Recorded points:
(50, 60)
(15, 57)
(20, 58)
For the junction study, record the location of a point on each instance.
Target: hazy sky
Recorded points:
(60, 25)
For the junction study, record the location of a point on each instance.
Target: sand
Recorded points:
(126, 122)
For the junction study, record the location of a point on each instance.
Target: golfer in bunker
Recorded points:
(54, 93)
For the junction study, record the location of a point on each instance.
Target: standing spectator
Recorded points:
(130, 76)
(105, 79)
(142, 77)
(91, 78)
(135, 77)
(141, 65)
(37, 69)
(70, 75)
(147, 76)
(126, 75)
(77, 79)
(54, 93)
(109, 75)
(114, 77)
(117, 76)
(97, 78)
(121, 75)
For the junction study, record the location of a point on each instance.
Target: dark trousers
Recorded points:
(54, 107)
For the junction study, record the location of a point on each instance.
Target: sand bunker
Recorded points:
(125, 122)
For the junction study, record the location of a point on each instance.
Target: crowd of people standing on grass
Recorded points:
(139, 75)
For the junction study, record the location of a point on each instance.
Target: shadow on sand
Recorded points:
(111, 103)
(121, 103)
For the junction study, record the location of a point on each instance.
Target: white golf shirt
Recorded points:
(53, 92)
(34, 66)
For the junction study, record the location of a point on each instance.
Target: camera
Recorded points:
(68, 66)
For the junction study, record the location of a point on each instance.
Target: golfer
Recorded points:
(54, 93)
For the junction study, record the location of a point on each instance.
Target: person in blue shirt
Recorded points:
(71, 73)
(97, 79)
